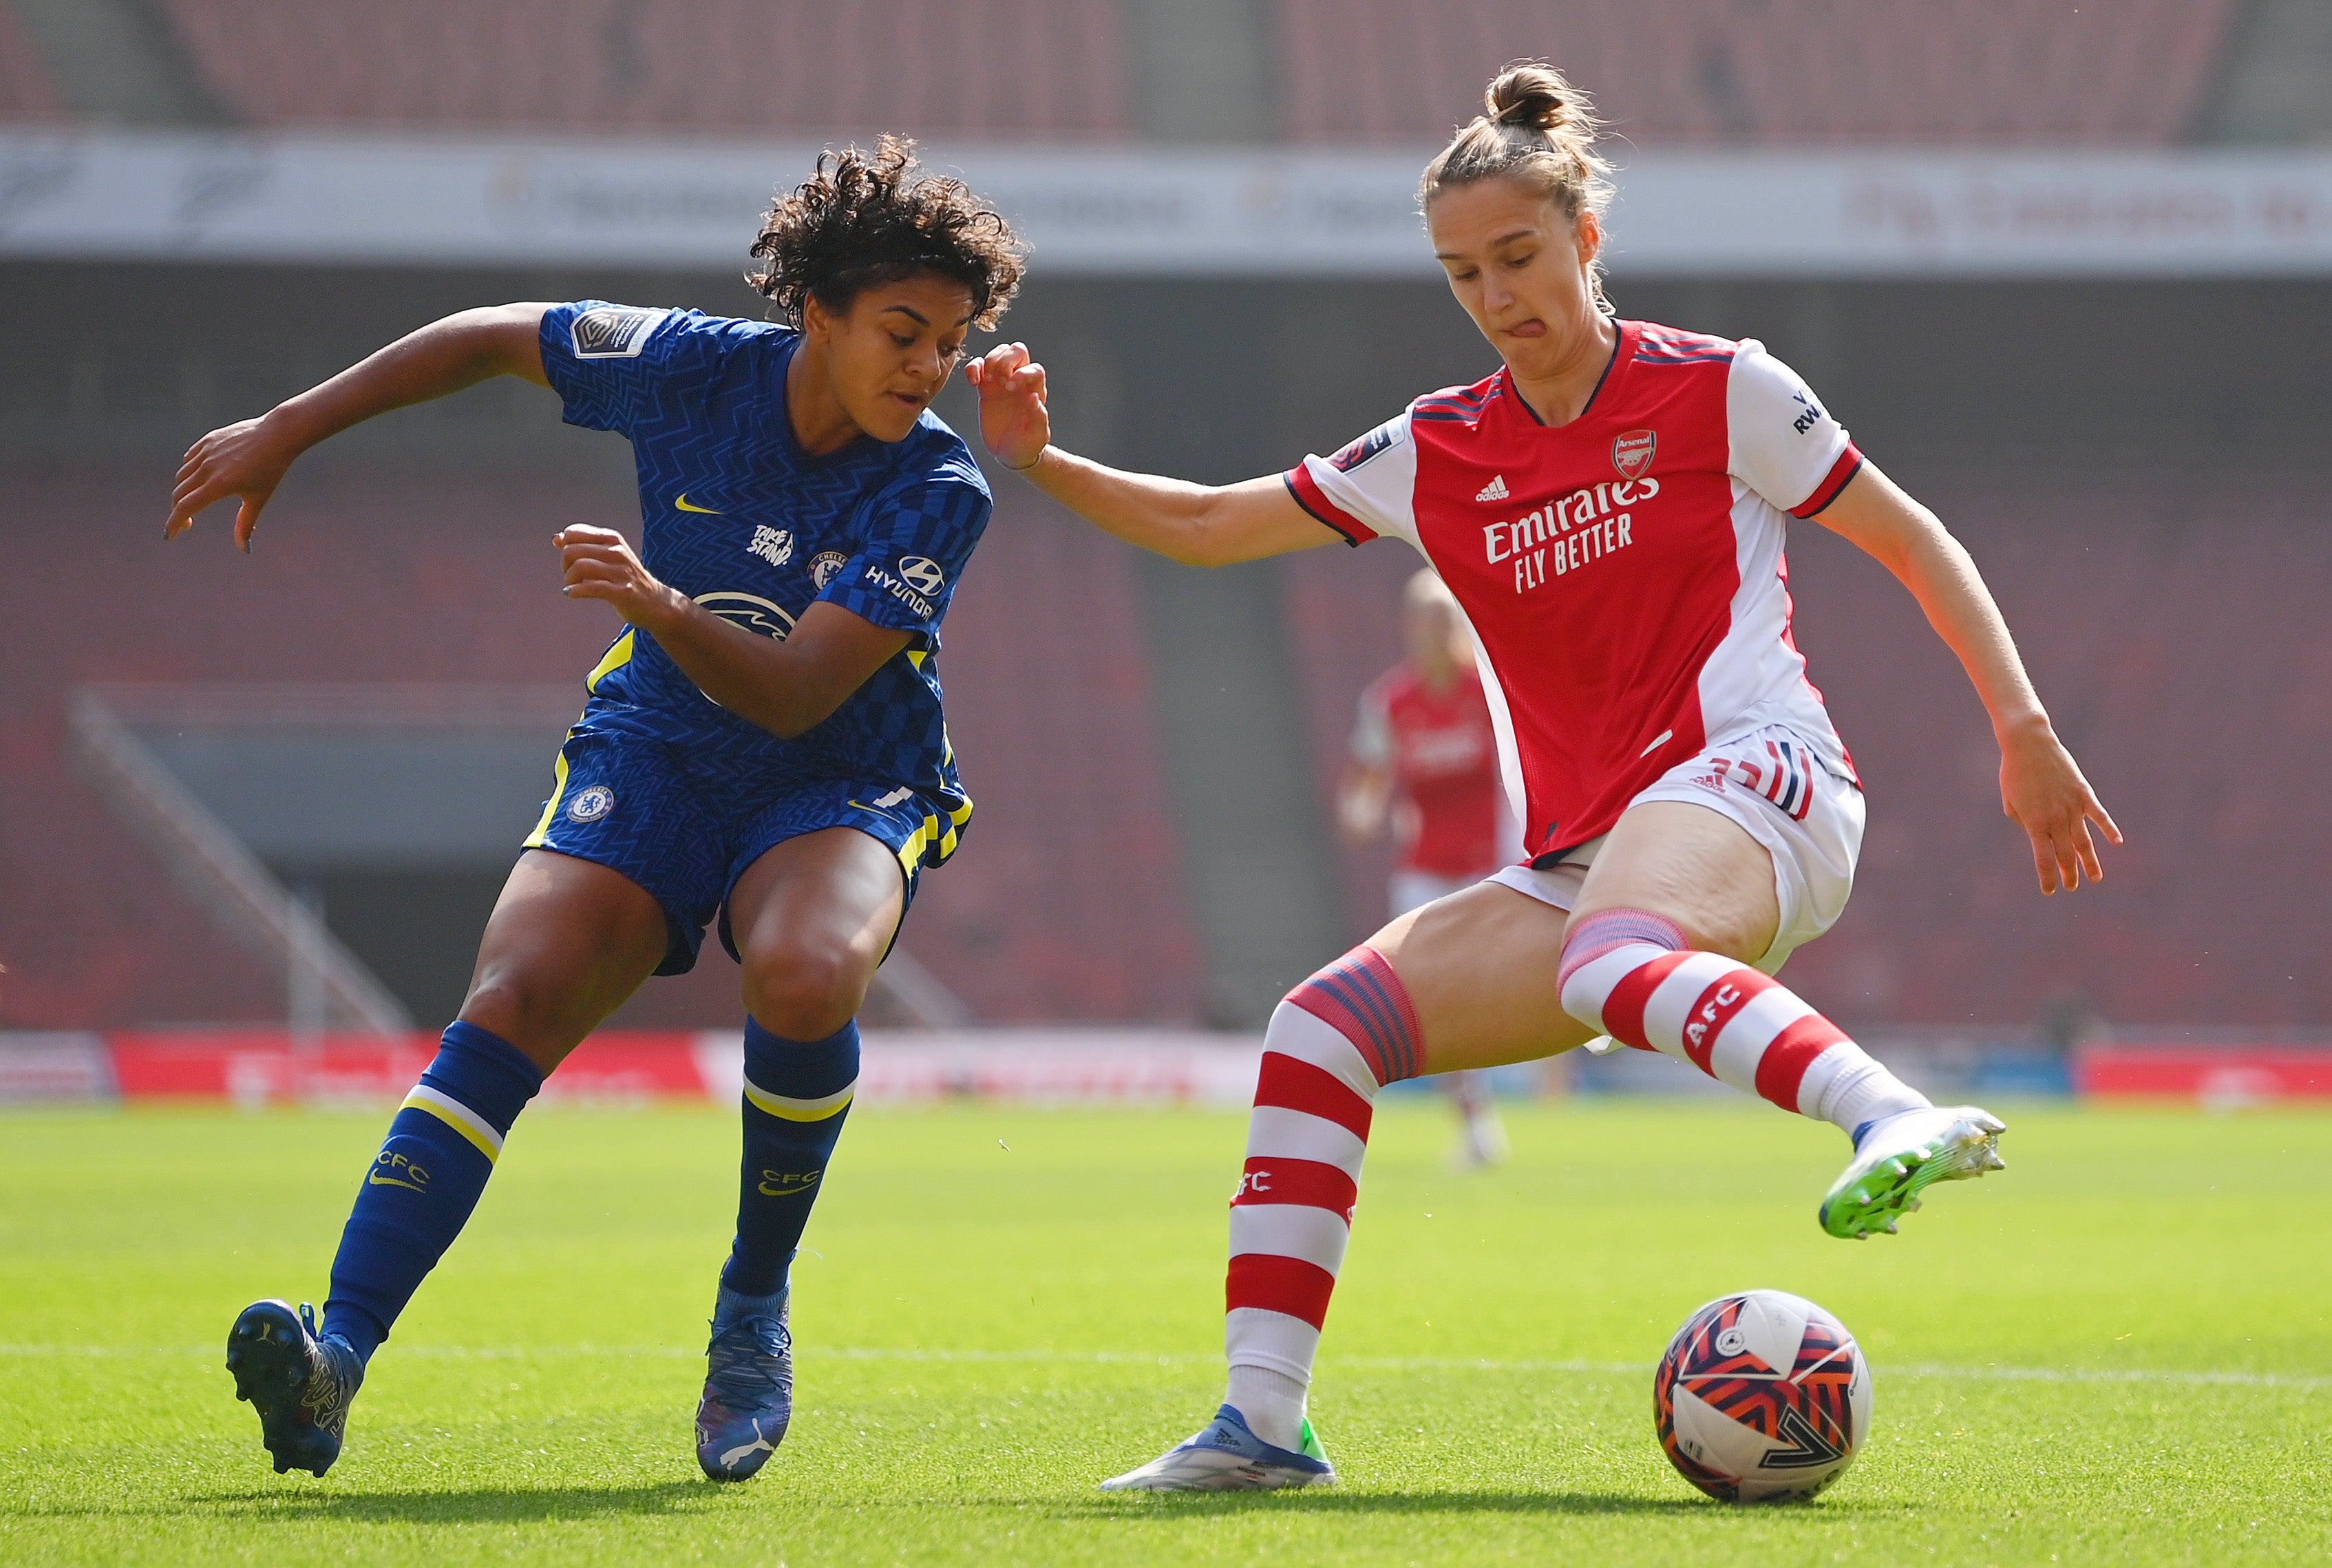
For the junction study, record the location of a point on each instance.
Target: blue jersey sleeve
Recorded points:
(612, 362)
(920, 535)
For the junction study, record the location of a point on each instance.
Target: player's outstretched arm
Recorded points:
(784, 687)
(247, 459)
(1196, 524)
(2040, 785)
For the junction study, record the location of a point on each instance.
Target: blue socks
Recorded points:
(443, 1143)
(427, 1179)
(797, 1095)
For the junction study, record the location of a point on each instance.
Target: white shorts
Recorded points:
(1776, 788)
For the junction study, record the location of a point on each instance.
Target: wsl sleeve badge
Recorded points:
(1761, 1398)
(612, 331)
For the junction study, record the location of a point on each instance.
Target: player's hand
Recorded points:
(1013, 420)
(600, 564)
(2043, 792)
(245, 459)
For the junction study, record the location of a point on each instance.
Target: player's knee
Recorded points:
(517, 1004)
(805, 991)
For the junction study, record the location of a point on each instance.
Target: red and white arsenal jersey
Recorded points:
(1624, 572)
(1443, 755)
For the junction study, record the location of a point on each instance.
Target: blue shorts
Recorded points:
(686, 823)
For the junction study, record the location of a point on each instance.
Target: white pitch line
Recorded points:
(1138, 1357)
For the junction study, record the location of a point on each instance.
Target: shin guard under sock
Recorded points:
(1338, 1037)
(797, 1096)
(1629, 973)
(424, 1182)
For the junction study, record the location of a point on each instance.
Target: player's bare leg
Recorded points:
(1678, 902)
(569, 942)
(812, 919)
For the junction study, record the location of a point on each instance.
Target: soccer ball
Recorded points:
(1761, 1398)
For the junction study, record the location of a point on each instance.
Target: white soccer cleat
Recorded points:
(1898, 1156)
(1225, 1457)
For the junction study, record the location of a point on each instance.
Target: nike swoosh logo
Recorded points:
(393, 1181)
(682, 505)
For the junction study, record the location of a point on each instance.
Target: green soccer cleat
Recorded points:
(1895, 1157)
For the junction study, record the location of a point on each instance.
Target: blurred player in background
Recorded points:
(1425, 762)
(1610, 509)
(763, 741)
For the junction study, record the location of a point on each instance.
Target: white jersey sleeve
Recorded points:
(1784, 445)
(1365, 489)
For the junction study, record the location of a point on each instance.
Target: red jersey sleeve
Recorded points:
(1365, 489)
(1785, 446)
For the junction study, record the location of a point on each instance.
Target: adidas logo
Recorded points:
(1493, 490)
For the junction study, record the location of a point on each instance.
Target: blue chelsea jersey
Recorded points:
(735, 515)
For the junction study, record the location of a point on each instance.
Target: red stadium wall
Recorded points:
(1063, 903)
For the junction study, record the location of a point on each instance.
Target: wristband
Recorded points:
(1030, 465)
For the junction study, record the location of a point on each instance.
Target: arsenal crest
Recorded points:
(1631, 453)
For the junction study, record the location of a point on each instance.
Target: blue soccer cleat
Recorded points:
(301, 1384)
(1226, 1456)
(748, 1394)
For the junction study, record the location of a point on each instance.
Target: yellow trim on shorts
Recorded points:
(534, 840)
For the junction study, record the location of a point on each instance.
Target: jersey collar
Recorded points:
(1607, 386)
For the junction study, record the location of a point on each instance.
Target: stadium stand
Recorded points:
(989, 68)
(26, 91)
(1713, 72)
(2140, 601)
(1663, 72)
(1065, 904)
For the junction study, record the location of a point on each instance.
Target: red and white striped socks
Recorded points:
(1627, 972)
(1351, 1029)
(1338, 1037)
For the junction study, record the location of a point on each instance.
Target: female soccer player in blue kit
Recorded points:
(763, 741)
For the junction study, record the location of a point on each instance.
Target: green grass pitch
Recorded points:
(2117, 1352)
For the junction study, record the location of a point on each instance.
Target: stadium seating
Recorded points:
(1065, 904)
(26, 93)
(2143, 605)
(1663, 72)
(982, 68)
(1712, 72)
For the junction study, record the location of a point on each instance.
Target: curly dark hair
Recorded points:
(864, 219)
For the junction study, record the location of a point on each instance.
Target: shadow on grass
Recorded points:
(480, 1505)
(1165, 1505)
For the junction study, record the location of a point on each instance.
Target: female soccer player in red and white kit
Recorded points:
(1610, 509)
